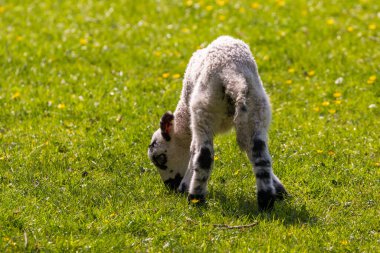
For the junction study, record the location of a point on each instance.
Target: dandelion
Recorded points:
(61, 106)
(255, 6)
(236, 172)
(330, 21)
(337, 94)
(221, 2)
(16, 95)
(319, 151)
(325, 103)
(332, 111)
(372, 26)
(216, 158)
(377, 164)
(176, 76)
(344, 242)
(291, 70)
(83, 41)
(331, 153)
(350, 29)
(242, 10)
(311, 73)
(209, 7)
(2, 9)
(194, 201)
(157, 53)
(222, 17)
(185, 30)
(317, 109)
(280, 3)
(371, 79)
(189, 3)
(266, 57)
(288, 81)
(337, 102)
(19, 38)
(165, 75)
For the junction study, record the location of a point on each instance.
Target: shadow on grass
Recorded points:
(246, 206)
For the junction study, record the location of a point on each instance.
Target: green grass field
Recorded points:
(83, 85)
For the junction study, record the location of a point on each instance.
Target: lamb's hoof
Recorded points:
(266, 200)
(196, 199)
(281, 193)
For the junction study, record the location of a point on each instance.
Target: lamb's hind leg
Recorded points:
(252, 137)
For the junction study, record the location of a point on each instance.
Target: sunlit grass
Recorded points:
(83, 85)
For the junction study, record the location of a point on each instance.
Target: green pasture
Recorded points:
(83, 85)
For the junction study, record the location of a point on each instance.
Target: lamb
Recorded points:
(221, 89)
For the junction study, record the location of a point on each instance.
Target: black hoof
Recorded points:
(266, 200)
(281, 193)
(196, 199)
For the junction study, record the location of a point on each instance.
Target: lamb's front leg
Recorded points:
(202, 157)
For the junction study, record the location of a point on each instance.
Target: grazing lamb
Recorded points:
(221, 89)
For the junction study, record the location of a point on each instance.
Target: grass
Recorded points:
(83, 85)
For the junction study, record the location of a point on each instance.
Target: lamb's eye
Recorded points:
(153, 144)
(160, 161)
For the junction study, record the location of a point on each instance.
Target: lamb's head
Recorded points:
(168, 152)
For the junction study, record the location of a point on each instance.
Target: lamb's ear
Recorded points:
(166, 125)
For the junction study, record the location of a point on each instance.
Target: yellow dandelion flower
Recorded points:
(288, 81)
(331, 153)
(194, 201)
(83, 41)
(216, 158)
(19, 38)
(16, 95)
(291, 70)
(319, 151)
(176, 76)
(377, 164)
(325, 103)
(311, 73)
(372, 26)
(350, 29)
(337, 102)
(337, 94)
(185, 30)
(189, 3)
(266, 57)
(317, 109)
(371, 79)
(236, 172)
(221, 2)
(332, 111)
(242, 10)
(61, 106)
(330, 21)
(165, 75)
(209, 7)
(222, 17)
(157, 53)
(2, 9)
(255, 6)
(344, 242)
(280, 3)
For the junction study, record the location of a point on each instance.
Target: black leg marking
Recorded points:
(266, 200)
(262, 174)
(262, 163)
(173, 183)
(205, 159)
(258, 148)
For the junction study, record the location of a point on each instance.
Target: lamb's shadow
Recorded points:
(246, 206)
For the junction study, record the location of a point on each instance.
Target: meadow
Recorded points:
(83, 85)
